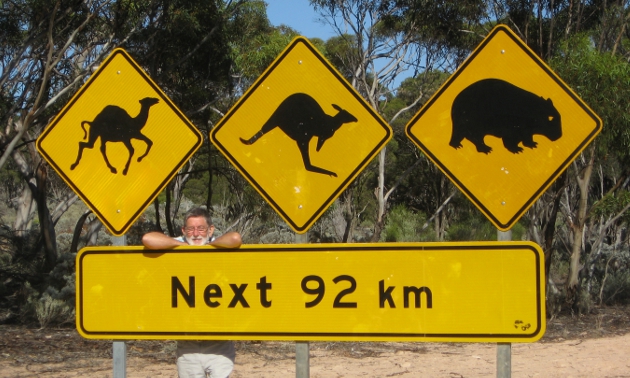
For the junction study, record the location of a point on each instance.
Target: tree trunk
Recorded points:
(167, 211)
(25, 211)
(26, 207)
(579, 223)
(92, 232)
(46, 224)
(549, 226)
(210, 178)
(348, 215)
(380, 197)
(158, 226)
(76, 236)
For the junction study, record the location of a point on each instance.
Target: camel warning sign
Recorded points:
(118, 142)
(301, 134)
(503, 127)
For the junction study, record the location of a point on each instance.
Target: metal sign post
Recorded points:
(504, 350)
(120, 347)
(302, 358)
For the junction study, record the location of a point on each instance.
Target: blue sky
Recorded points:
(299, 15)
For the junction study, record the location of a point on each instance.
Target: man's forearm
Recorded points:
(227, 240)
(157, 240)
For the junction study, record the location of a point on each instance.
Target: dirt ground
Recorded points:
(594, 345)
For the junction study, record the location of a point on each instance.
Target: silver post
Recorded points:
(504, 350)
(120, 347)
(302, 363)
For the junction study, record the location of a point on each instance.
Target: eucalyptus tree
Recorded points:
(49, 48)
(592, 208)
(389, 38)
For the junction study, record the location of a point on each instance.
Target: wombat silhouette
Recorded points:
(498, 108)
(114, 124)
(301, 118)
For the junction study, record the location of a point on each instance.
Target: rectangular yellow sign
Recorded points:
(464, 292)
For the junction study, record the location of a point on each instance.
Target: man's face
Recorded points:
(196, 231)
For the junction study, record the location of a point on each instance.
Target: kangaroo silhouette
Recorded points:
(301, 118)
(114, 124)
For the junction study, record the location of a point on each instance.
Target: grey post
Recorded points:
(120, 347)
(504, 350)
(302, 363)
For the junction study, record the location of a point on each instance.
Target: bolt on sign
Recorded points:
(446, 292)
(503, 127)
(301, 134)
(118, 142)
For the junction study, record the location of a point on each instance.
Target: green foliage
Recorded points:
(402, 225)
(611, 204)
(603, 82)
(184, 46)
(343, 54)
(474, 228)
(254, 43)
(53, 311)
(197, 189)
(437, 22)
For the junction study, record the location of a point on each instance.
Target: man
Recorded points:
(195, 359)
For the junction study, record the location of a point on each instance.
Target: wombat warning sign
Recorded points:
(503, 127)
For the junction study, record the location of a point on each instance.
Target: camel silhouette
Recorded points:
(114, 124)
(301, 118)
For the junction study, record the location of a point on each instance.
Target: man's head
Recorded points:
(198, 227)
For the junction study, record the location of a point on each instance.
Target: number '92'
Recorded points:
(314, 285)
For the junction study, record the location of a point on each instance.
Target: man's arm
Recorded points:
(227, 240)
(157, 240)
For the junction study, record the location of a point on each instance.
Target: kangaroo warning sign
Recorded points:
(301, 134)
(503, 127)
(118, 142)
(445, 292)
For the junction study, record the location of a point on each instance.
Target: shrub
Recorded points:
(403, 225)
(53, 311)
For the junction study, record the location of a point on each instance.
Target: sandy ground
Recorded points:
(596, 346)
(603, 357)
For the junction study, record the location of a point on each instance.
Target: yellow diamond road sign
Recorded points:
(503, 127)
(118, 142)
(300, 134)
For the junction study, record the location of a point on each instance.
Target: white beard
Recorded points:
(197, 240)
